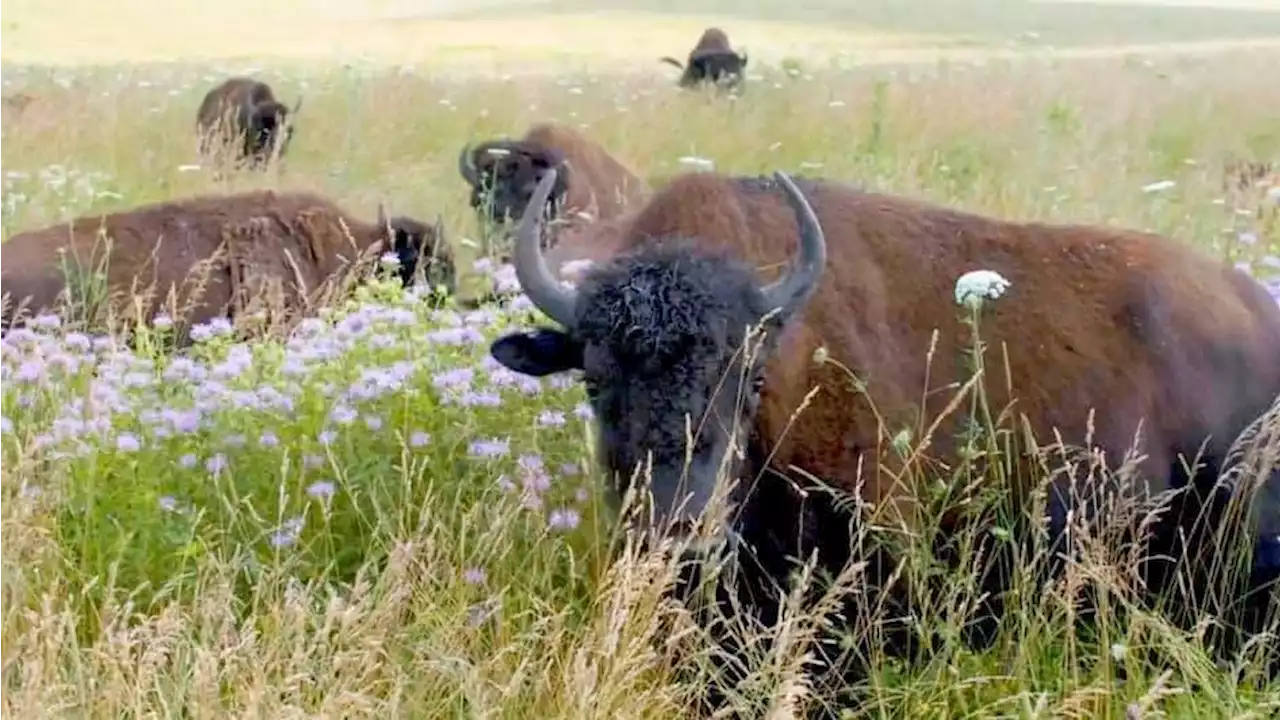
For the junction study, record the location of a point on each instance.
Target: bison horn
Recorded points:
(672, 61)
(792, 290)
(466, 168)
(543, 289)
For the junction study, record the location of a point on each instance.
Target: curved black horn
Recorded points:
(672, 61)
(465, 167)
(542, 287)
(794, 288)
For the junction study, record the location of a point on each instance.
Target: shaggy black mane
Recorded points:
(668, 298)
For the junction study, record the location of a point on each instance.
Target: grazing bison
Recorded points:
(217, 255)
(712, 60)
(1141, 329)
(242, 116)
(503, 174)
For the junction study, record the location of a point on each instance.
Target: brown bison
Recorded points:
(215, 255)
(712, 60)
(1145, 331)
(243, 117)
(589, 181)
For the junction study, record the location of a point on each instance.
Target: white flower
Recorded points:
(1158, 186)
(697, 163)
(974, 287)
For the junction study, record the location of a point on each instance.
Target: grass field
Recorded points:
(372, 519)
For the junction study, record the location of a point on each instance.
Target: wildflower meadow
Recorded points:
(371, 518)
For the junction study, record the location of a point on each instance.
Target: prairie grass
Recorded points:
(371, 519)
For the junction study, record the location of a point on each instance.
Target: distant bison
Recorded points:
(712, 60)
(1108, 332)
(16, 103)
(242, 117)
(217, 255)
(589, 181)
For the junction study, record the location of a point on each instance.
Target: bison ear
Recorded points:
(538, 352)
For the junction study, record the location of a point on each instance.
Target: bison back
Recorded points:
(1145, 331)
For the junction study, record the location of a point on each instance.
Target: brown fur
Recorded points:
(1137, 327)
(252, 242)
(590, 181)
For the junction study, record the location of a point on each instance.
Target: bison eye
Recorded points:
(592, 387)
(757, 384)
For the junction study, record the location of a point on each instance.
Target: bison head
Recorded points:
(268, 124)
(659, 336)
(504, 174)
(417, 244)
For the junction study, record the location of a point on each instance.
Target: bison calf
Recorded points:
(589, 181)
(242, 118)
(210, 256)
(713, 61)
(1110, 335)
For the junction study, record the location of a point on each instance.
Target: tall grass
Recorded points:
(373, 519)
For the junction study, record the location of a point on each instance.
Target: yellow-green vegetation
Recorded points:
(371, 519)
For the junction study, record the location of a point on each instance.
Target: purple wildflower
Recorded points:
(288, 533)
(168, 503)
(322, 490)
(326, 437)
(550, 418)
(187, 461)
(216, 464)
(128, 442)
(342, 415)
(454, 379)
(474, 576)
(268, 439)
(490, 448)
(46, 321)
(417, 438)
(373, 422)
(563, 519)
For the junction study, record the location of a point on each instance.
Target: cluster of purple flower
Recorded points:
(72, 397)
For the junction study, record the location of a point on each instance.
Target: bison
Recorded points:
(712, 60)
(1109, 332)
(243, 117)
(215, 254)
(589, 181)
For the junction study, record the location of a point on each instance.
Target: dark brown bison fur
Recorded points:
(210, 256)
(591, 182)
(243, 117)
(1107, 332)
(712, 60)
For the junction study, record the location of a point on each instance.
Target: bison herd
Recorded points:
(1106, 337)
